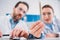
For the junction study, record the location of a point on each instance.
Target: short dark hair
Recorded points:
(48, 6)
(22, 3)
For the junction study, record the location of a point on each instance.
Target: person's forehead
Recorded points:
(46, 9)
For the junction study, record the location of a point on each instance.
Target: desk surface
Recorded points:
(31, 39)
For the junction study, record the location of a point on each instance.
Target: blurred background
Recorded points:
(33, 15)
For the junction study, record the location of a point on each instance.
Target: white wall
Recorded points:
(59, 9)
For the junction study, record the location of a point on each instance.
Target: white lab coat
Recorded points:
(5, 25)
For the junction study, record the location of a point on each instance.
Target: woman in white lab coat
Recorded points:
(51, 22)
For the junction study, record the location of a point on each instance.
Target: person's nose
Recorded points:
(46, 16)
(21, 12)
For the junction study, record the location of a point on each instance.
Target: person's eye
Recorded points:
(43, 13)
(49, 13)
(20, 9)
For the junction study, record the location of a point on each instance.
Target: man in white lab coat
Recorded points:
(19, 31)
(8, 22)
(52, 24)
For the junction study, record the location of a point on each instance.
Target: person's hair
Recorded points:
(22, 3)
(48, 6)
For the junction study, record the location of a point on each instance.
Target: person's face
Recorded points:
(19, 11)
(47, 15)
